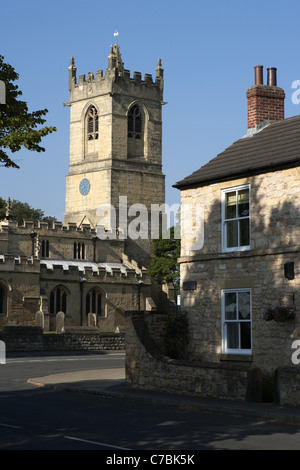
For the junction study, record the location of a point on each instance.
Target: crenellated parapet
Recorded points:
(127, 269)
(58, 241)
(88, 270)
(115, 79)
(29, 225)
(12, 263)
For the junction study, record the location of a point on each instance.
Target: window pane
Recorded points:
(64, 302)
(138, 125)
(232, 233)
(230, 306)
(244, 305)
(90, 126)
(99, 305)
(245, 335)
(130, 123)
(57, 300)
(52, 302)
(244, 232)
(94, 310)
(232, 335)
(243, 203)
(87, 304)
(230, 205)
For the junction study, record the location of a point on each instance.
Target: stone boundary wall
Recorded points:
(28, 339)
(148, 368)
(287, 380)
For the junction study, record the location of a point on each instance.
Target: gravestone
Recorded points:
(60, 322)
(92, 319)
(44, 309)
(39, 319)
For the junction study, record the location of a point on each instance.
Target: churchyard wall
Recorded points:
(32, 339)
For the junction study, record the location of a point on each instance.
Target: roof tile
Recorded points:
(277, 145)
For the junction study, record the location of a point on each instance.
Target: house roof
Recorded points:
(276, 146)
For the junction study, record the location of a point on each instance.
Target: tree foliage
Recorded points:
(21, 211)
(164, 266)
(18, 127)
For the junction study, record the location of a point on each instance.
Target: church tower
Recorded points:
(115, 144)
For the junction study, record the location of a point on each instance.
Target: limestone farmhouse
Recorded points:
(239, 264)
(249, 262)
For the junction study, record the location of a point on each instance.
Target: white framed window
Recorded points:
(236, 321)
(236, 218)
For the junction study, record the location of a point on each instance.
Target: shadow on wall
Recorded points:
(149, 368)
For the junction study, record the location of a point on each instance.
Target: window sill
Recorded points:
(236, 249)
(236, 357)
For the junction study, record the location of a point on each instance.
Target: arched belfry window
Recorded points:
(58, 300)
(135, 129)
(135, 122)
(92, 123)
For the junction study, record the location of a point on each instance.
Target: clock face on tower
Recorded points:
(84, 187)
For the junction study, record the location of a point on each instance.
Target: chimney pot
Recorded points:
(265, 104)
(272, 79)
(258, 72)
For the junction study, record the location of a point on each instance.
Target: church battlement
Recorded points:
(102, 270)
(91, 85)
(29, 225)
(61, 267)
(125, 74)
(24, 261)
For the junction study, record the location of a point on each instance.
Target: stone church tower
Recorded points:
(67, 271)
(115, 146)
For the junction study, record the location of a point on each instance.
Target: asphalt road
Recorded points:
(20, 367)
(40, 419)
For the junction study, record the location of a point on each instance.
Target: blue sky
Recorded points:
(208, 50)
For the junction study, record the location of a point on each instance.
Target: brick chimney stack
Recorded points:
(265, 102)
